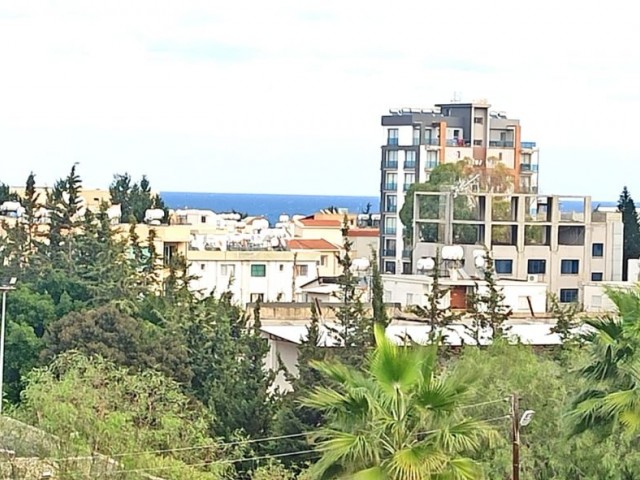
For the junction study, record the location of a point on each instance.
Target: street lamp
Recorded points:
(4, 288)
(516, 423)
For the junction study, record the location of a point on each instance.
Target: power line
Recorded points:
(262, 457)
(255, 440)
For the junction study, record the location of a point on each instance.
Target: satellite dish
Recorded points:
(480, 261)
(452, 252)
(426, 264)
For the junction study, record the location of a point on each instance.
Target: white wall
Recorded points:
(275, 285)
(288, 354)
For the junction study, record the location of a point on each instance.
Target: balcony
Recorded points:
(390, 208)
(391, 164)
(501, 143)
(406, 186)
(406, 253)
(528, 145)
(431, 141)
(528, 168)
(391, 186)
(430, 165)
(457, 142)
(410, 164)
(389, 231)
(392, 141)
(389, 252)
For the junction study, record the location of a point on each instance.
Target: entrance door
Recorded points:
(458, 296)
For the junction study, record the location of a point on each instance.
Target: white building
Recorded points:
(408, 290)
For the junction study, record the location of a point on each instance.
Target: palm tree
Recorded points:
(612, 395)
(399, 419)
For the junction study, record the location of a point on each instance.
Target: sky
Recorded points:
(286, 96)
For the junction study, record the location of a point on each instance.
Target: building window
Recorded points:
(203, 266)
(570, 267)
(324, 259)
(478, 120)
(409, 179)
(391, 161)
(500, 156)
(390, 225)
(568, 295)
(406, 268)
(477, 143)
(392, 136)
(257, 297)
(503, 266)
(596, 276)
(281, 267)
(302, 270)
(410, 159)
(203, 219)
(259, 270)
(537, 267)
(227, 270)
(387, 296)
(391, 181)
(391, 203)
(416, 136)
(597, 250)
(390, 267)
(409, 299)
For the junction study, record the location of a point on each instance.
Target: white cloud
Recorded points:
(228, 96)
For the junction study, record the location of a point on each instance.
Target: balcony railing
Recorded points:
(528, 145)
(410, 164)
(501, 143)
(391, 186)
(389, 252)
(431, 141)
(389, 230)
(528, 167)
(406, 186)
(430, 165)
(390, 164)
(406, 253)
(457, 142)
(393, 208)
(392, 141)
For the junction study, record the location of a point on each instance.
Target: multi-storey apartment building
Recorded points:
(417, 140)
(557, 240)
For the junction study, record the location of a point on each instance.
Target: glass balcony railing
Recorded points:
(431, 141)
(528, 145)
(430, 165)
(528, 167)
(406, 186)
(392, 141)
(390, 186)
(391, 164)
(390, 208)
(501, 143)
(457, 142)
(389, 230)
(389, 252)
(410, 164)
(406, 253)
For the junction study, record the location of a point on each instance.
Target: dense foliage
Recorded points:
(115, 356)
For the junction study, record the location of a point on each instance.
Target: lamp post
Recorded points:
(517, 422)
(4, 289)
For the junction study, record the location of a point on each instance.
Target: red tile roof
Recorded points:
(313, 244)
(364, 232)
(312, 222)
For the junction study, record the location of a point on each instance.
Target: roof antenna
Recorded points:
(457, 96)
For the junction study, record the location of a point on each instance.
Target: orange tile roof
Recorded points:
(313, 244)
(364, 232)
(313, 222)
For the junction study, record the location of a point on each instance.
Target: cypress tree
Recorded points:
(631, 236)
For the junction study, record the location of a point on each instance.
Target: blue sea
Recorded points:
(269, 205)
(273, 205)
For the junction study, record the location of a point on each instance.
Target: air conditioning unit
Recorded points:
(533, 278)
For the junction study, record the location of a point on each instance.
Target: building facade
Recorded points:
(417, 140)
(531, 237)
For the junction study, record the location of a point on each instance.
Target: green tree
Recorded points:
(377, 292)
(400, 419)
(434, 313)
(353, 330)
(134, 198)
(612, 372)
(6, 195)
(119, 338)
(631, 233)
(143, 419)
(566, 319)
(486, 306)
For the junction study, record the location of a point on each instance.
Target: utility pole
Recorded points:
(515, 438)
